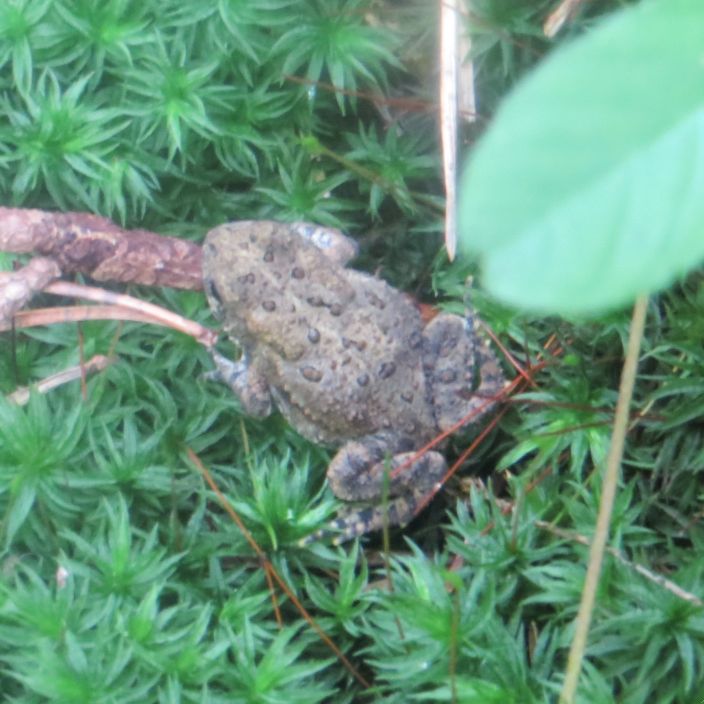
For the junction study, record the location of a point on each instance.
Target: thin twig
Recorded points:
(562, 14)
(273, 573)
(608, 494)
(160, 315)
(95, 364)
(644, 571)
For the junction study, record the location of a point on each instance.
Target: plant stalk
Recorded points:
(608, 494)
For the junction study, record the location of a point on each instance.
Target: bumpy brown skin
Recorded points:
(345, 358)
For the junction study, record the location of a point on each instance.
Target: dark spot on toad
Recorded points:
(311, 373)
(447, 376)
(386, 369)
(363, 379)
(415, 340)
(375, 300)
(359, 345)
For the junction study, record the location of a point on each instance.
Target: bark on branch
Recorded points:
(93, 245)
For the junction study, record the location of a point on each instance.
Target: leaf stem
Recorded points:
(608, 493)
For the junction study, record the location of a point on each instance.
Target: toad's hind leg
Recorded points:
(465, 376)
(354, 522)
(363, 471)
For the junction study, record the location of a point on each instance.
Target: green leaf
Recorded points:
(19, 509)
(587, 189)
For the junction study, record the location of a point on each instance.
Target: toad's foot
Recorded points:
(362, 471)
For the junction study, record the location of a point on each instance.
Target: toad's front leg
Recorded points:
(246, 382)
(366, 470)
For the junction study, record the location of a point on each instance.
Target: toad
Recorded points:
(347, 359)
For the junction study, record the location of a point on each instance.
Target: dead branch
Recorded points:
(93, 245)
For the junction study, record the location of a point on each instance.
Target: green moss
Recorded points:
(177, 116)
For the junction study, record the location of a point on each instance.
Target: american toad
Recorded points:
(345, 358)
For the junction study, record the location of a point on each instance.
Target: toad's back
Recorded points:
(341, 350)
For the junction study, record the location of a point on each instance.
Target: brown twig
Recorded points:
(115, 306)
(665, 583)
(560, 16)
(95, 364)
(18, 287)
(151, 312)
(275, 576)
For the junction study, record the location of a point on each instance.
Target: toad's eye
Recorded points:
(212, 291)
